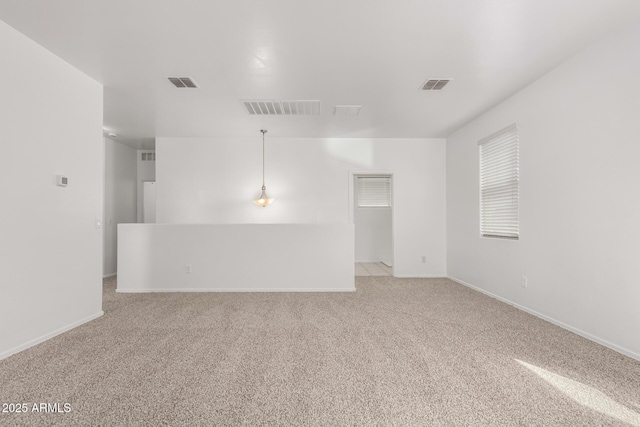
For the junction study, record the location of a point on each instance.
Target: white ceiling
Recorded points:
(377, 53)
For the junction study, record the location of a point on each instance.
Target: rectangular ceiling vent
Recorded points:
(282, 108)
(435, 84)
(148, 157)
(182, 82)
(347, 110)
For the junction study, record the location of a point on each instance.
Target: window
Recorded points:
(499, 184)
(373, 191)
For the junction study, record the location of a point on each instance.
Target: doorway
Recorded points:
(149, 202)
(372, 206)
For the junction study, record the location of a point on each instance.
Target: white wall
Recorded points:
(580, 186)
(50, 248)
(206, 180)
(373, 235)
(146, 172)
(235, 258)
(119, 197)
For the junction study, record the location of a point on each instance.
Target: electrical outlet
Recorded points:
(187, 269)
(524, 282)
(424, 259)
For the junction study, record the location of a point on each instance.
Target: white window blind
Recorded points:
(373, 191)
(499, 184)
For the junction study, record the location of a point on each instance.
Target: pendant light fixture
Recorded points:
(263, 200)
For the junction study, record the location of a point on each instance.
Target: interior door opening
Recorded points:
(149, 202)
(373, 220)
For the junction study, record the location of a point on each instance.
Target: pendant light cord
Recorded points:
(263, 132)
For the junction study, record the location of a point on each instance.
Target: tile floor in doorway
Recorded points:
(373, 269)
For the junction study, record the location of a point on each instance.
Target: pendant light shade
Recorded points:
(263, 200)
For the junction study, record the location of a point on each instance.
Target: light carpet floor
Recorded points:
(398, 352)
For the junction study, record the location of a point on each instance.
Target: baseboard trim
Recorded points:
(106, 276)
(167, 290)
(49, 335)
(420, 276)
(556, 322)
(372, 261)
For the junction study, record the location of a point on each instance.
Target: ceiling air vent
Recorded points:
(282, 108)
(183, 82)
(347, 110)
(148, 157)
(435, 84)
